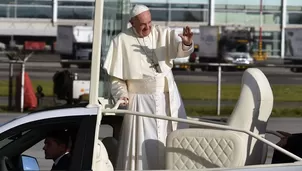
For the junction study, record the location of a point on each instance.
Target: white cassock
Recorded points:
(148, 91)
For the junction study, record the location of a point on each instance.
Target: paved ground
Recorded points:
(45, 71)
(43, 67)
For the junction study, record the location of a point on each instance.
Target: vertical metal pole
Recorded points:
(211, 12)
(169, 12)
(218, 89)
(260, 31)
(15, 12)
(12, 42)
(212, 23)
(96, 53)
(95, 72)
(22, 88)
(22, 82)
(54, 12)
(10, 86)
(283, 26)
(8, 8)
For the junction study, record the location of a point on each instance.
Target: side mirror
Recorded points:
(29, 163)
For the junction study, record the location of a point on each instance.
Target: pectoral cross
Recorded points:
(156, 67)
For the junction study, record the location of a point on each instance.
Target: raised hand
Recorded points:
(186, 36)
(126, 101)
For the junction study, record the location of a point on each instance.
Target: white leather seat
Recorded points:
(210, 148)
(252, 112)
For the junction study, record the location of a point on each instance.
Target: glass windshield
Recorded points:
(233, 45)
(242, 48)
(236, 47)
(116, 17)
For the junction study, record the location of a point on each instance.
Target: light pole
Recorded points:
(12, 41)
(260, 31)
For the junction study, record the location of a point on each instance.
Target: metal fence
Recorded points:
(218, 65)
(20, 61)
(219, 71)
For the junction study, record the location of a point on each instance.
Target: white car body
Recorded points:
(85, 111)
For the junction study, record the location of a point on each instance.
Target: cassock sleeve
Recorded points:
(182, 50)
(118, 88)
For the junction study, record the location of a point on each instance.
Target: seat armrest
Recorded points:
(274, 133)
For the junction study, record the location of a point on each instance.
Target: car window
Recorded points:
(12, 138)
(37, 152)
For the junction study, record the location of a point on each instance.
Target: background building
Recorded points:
(33, 19)
(37, 20)
(277, 14)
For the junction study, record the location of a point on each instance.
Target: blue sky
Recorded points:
(234, 2)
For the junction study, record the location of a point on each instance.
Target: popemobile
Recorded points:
(238, 144)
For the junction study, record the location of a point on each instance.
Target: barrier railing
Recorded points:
(200, 64)
(218, 65)
(219, 70)
(115, 111)
(21, 61)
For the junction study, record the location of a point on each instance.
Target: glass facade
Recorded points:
(294, 12)
(271, 43)
(247, 13)
(67, 9)
(226, 12)
(173, 12)
(115, 19)
(178, 12)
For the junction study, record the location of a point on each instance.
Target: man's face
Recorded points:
(142, 23)
(52, 149)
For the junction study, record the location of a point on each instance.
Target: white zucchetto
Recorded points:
(138, 9)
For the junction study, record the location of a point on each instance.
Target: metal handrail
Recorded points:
(114, 111)
(177, 63)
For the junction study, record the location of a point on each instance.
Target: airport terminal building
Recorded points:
(37, 19)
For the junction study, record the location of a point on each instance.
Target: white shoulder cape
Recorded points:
(123, 58)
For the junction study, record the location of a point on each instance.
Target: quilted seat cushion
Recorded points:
(198, 148)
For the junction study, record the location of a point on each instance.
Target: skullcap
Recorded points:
(138, 9)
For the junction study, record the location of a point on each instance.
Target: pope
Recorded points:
(140, 62)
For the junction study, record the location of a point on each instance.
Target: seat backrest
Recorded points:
(209, 148)
(189, 149)
(252, 112)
